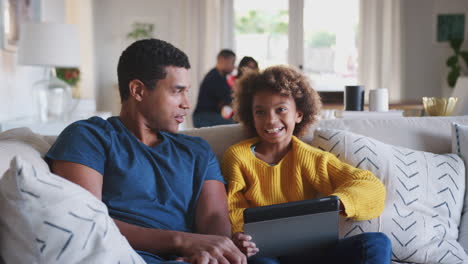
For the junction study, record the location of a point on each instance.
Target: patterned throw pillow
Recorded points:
(460, 147)
(424, 196)
(47, 219)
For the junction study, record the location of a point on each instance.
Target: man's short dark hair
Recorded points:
(226, 53)
(146, 61)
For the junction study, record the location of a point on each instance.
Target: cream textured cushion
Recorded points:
(219, 137)
(424, 196)
(47, 219)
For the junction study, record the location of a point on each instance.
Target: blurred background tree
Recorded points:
(259, 22)
(141, 31)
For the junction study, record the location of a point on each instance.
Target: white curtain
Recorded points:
(79, 12)
(380, 46)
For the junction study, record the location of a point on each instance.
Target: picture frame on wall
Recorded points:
(13, 13)
(450, 26)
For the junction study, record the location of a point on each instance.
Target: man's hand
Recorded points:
(204, 249)
(244, 243)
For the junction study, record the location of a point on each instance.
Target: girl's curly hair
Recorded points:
(279, 79)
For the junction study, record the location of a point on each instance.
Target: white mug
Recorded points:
(378, 100)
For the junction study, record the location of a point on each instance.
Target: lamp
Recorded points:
(50, 45)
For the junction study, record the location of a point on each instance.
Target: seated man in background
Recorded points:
(215, 92)
(164, 190)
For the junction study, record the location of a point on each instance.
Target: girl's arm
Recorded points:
(237, 202)
(361, 192)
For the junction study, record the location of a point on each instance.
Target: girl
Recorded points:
(277, 106)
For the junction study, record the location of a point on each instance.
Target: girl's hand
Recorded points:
(244, 243)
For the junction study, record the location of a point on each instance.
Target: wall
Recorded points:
(192, 26)
(53, 11)
(16, 81)
(112, 23)
(424, 62)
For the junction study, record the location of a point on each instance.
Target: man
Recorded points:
(164, 190)
(215, 92)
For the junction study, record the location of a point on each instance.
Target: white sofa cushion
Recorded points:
(460, 147)
(23, 142)
(47, 219)
(424, 196)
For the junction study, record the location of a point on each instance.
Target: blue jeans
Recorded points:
(365, 248)
(207, 119)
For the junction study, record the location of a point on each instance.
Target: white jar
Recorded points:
(378, 100)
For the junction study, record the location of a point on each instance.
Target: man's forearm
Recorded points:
(212, 214)
(156, 241)
(190, 247)
(215, 225)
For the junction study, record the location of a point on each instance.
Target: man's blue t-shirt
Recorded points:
(156, 187)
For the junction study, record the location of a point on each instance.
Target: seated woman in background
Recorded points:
(246, 64)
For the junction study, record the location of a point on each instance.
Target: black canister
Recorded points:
(354, 98)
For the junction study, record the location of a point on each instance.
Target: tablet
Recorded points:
(293, 228)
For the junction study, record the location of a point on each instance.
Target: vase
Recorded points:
(76, 91)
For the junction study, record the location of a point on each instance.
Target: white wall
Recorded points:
(192, 26)
(112, 20)
(16, 81)
(53, 11)
(425, 73)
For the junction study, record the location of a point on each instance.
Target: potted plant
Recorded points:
(71, 76)
(454, 62)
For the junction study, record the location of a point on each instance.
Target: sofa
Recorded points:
(423, 216)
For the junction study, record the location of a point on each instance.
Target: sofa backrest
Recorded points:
(432, 134)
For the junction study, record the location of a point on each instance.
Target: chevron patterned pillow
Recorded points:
(460, 147)
(47, 219)
(424, 196)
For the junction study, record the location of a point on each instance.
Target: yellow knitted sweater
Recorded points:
(303, 173)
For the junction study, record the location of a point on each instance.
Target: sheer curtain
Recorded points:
(79, 12)
(380, 46)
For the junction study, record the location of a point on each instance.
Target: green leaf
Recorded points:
(464, 55)
(452, 77)
(456, 44)
(452, 61)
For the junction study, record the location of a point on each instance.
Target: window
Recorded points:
(261, 30)
(327, 39)
(330, 43)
